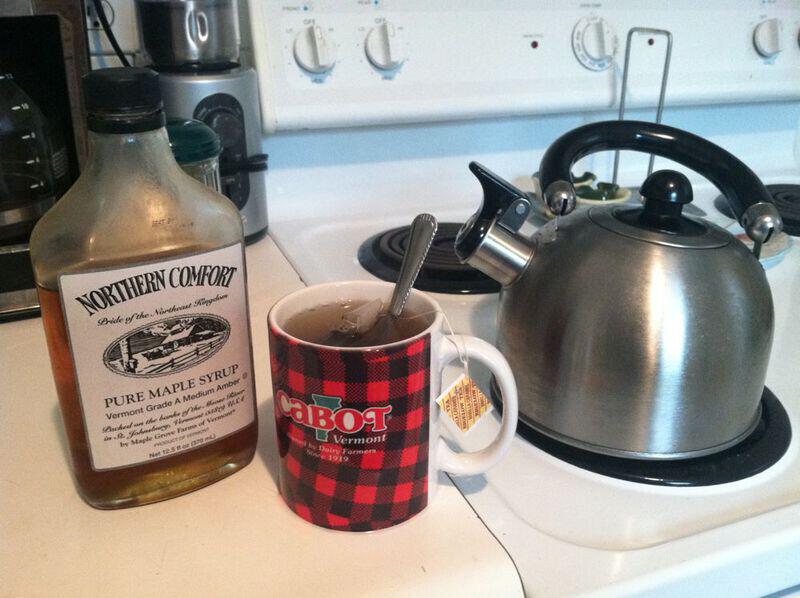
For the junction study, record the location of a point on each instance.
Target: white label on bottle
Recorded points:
(162, 355)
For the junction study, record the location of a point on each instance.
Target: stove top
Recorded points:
(441, 272)
(552, 516)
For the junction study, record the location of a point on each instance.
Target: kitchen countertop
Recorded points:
(235, 537)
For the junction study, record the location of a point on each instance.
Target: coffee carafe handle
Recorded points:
(746, 194)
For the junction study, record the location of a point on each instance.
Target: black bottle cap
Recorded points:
(123, 100)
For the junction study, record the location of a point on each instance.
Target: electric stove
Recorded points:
(357, 151)
(553, 515)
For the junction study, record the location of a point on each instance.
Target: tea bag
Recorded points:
(462, 402)
(357, 321)
(369, 324)
(353, 324)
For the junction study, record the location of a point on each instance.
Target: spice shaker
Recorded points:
(196, 148)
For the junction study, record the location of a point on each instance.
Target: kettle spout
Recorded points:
(490, 241)
(502, 255)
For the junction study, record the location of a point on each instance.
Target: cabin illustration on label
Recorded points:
(167, 346)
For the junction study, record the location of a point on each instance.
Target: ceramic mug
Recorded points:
(358, 427)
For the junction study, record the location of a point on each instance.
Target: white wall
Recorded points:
(435, 156)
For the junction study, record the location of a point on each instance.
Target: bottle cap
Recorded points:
(192, 141)
(123, 100)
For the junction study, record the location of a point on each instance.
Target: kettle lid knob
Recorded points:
(665, 192)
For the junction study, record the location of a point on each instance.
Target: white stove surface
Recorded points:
(325, 251)
(572, 531)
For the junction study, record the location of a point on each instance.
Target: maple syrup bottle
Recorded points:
(142, 284)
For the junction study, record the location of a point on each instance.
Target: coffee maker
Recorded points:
(43, 140)
(194, 45)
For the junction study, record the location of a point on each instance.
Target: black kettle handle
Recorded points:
(746, 194)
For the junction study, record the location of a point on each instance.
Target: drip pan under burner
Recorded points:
(760, 450)
(441, 272)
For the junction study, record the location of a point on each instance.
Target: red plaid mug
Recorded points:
(358, 427)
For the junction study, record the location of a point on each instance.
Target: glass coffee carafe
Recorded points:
(33, 163)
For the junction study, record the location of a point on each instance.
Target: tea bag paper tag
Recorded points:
(464, 403)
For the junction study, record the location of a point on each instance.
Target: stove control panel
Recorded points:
(342, 63)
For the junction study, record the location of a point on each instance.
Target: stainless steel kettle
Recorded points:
(631, 331)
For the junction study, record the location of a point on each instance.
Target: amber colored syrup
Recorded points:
(137, 484)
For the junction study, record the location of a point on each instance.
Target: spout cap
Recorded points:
(498, 196)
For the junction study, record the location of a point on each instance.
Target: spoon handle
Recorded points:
(420, 238)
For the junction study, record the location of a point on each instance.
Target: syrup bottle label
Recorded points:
(162, 355)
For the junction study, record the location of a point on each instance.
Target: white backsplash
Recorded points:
(433, 158)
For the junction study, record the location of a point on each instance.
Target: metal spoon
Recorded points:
(423, 229)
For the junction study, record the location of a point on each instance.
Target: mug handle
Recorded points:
(479, 461)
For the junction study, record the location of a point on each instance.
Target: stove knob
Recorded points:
(767, 38)
(384, 47)
(314, 51)
(594, 43)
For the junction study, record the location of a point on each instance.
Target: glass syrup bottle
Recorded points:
(142, 284)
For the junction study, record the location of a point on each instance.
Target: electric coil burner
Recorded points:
(785, 197)
(441, 272)
(761, 449)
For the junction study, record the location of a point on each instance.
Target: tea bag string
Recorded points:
(461, 348)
